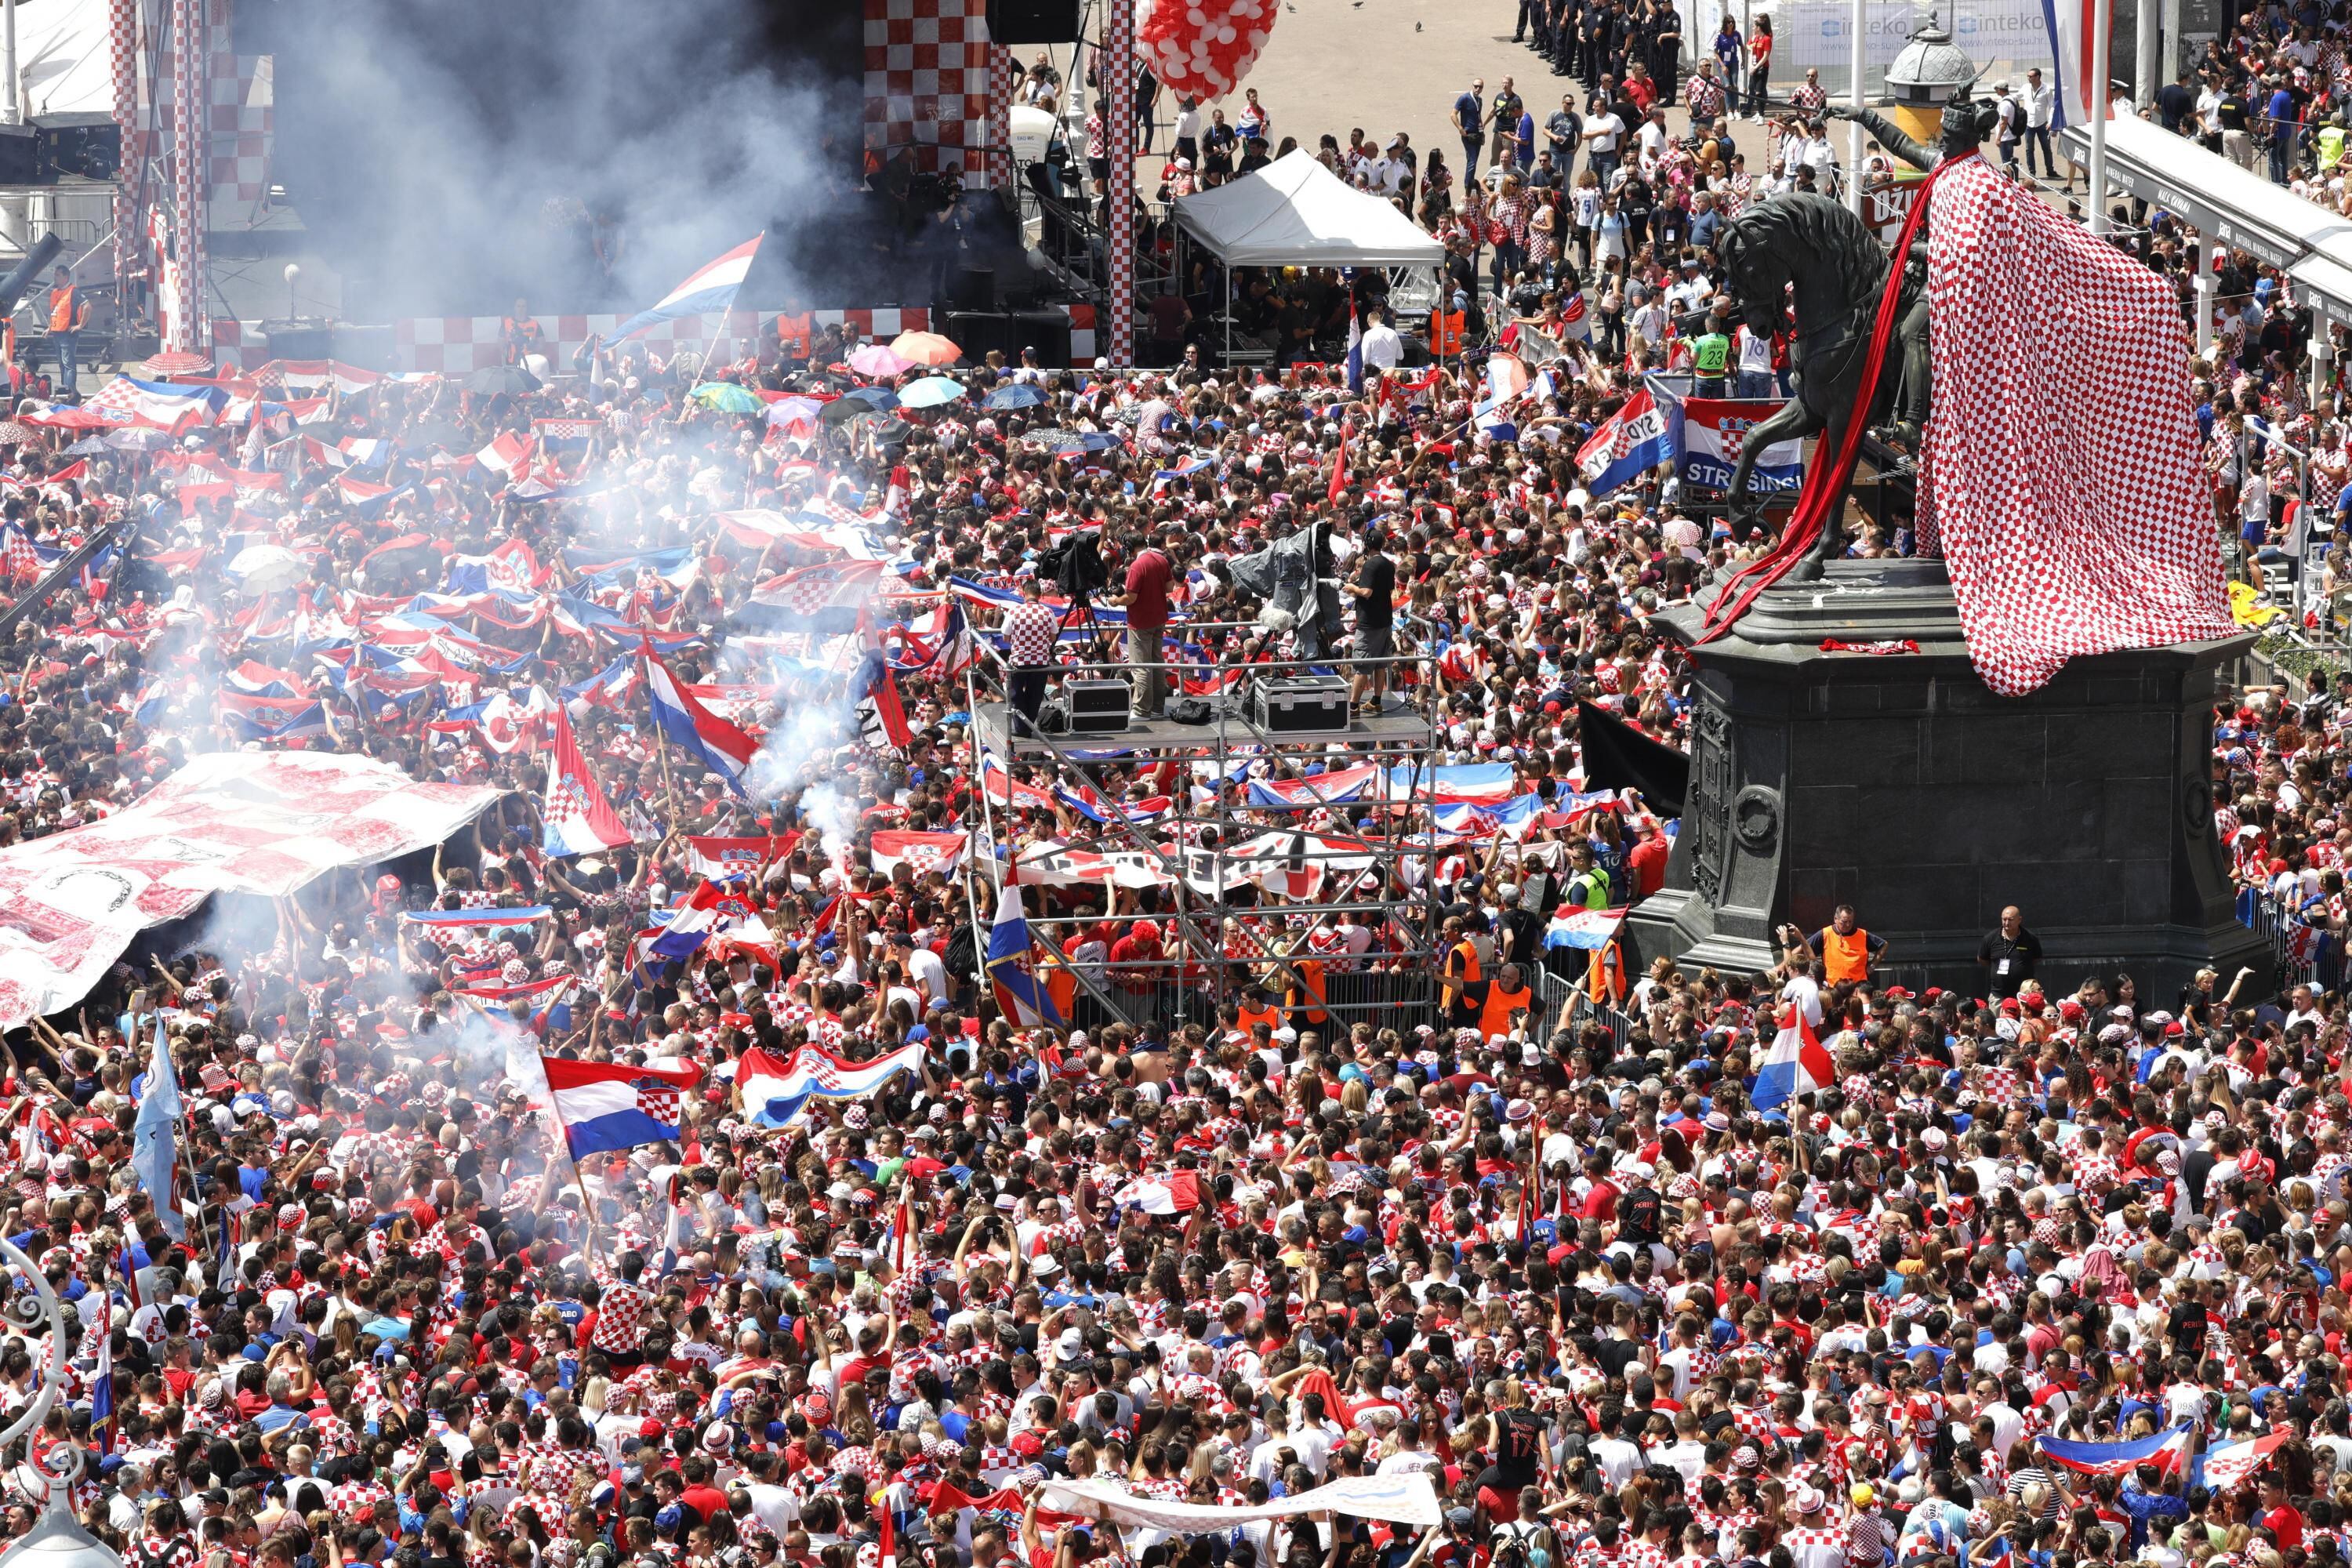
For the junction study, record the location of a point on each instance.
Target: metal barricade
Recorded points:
(2306, 954)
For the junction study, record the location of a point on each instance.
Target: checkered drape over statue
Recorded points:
(2063, 451)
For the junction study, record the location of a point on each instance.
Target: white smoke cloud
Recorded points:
(470, 142)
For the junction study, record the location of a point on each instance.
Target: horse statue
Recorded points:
(1808, 251)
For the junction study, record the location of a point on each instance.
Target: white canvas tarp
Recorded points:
(1297, 213)
(1405, 1498)
(229, 822)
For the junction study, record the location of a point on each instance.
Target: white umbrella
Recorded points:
(265, 568)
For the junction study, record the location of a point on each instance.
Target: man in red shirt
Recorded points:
(1146, 603)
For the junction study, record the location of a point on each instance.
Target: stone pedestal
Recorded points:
(1902, 784)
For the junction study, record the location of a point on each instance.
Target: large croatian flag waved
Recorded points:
(710, 289)
(775, 1089)
(600, 1105)
(2167, 1451)
(1797, 1064)
(725, 749)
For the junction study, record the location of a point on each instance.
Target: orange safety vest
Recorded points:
(1495, 1017)
(1845, 957)
(793, 333)
(1252, 1018)
(1446, 334)
(1467, 987)
(1310, 982)
(1605, 977)
(61, 308)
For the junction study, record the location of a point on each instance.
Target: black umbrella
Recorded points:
(842, 409)
(511, 380)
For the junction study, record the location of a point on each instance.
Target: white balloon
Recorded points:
(1197, 16)
(1258, 38)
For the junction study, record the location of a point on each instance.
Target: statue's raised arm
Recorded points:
(1890, 136)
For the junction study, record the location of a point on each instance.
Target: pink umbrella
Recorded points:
(876, 361)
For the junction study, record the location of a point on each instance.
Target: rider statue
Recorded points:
(1967, 122)
(1807, 256)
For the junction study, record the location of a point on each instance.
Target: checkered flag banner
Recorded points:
(2062, 454)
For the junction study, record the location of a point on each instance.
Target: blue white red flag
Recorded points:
(602, 1105)
(1629, 444)
(1018, 994)
(711, 909)
(1355, 348)
(708, 289)
(1797, 1063)
(273, 717)
(724, 748)
(2167, 1451)
(549, 999)
(881, 716)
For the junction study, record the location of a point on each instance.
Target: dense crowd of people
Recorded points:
(1224, 1223)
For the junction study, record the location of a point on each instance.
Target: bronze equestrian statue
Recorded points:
(1811, 252)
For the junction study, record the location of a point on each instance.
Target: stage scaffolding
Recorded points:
(1211, 953)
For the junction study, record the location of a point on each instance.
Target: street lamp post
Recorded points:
(57, 1539)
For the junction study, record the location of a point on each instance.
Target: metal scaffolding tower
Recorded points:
(1229, 927)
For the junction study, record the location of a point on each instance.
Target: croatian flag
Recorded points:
(919, 852)
(101, 1397)
(1629, 444)
(1177, 1193)
(1355, 348)
(775, 1089)
(2226, 1468)
(721, 860)
(508, 454)
(724, 749)
(601, 1105)
(1797, 1064)
(692, 922)
(577, 818)
(2074, 34)
(2167, 1451)
(710, 289)
(476, 919)
(1019, 994)
(881, 717)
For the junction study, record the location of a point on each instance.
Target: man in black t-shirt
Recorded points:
(1372, 584)
(2176, 102)
(2008, 955)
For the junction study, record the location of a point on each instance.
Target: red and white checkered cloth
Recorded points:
(2062, 454)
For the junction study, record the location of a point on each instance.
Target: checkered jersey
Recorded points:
(2063, 455)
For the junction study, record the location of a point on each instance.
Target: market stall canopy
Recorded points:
(1297, 213)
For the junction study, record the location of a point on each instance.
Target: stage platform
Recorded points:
(1396, 732)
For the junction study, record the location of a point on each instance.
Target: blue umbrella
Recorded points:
(1015, 395)
(931, 392)
(881, 399)
(87, 447)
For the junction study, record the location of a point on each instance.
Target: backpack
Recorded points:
(962, 955)
(1637, 1215)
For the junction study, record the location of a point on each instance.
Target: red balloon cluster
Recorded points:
(1201, 49)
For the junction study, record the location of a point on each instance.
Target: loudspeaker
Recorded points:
(301, 339)
(978, 332)
(1032, 21)
(20, 155)
(86, 146)
(363, 347)
(1046, 331)
(971, 288)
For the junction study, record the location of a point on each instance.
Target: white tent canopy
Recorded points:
(1297, 213)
